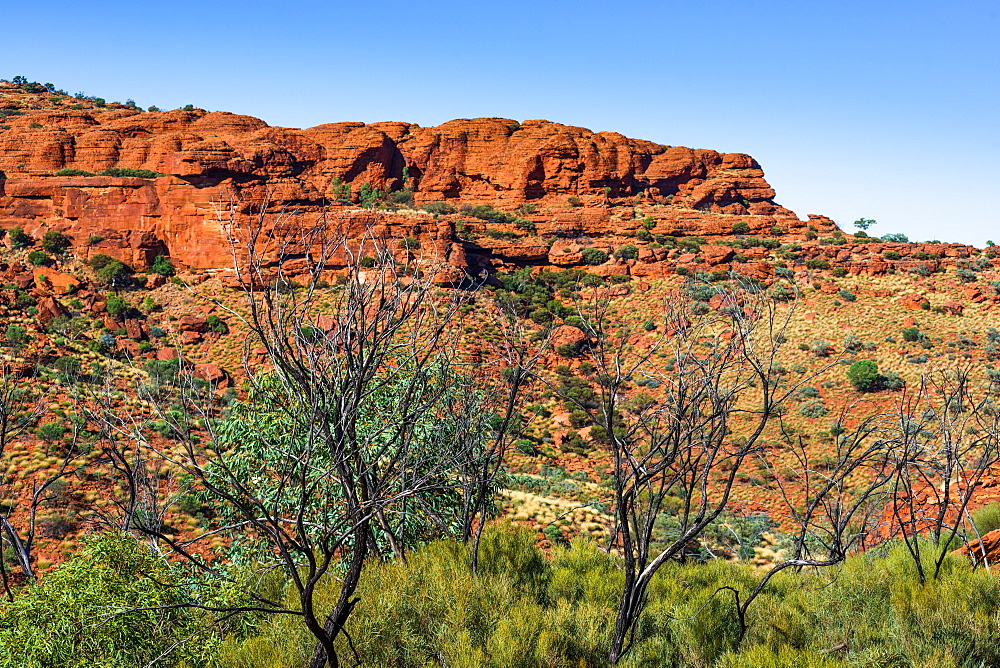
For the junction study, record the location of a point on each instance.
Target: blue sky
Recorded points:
(877, 109)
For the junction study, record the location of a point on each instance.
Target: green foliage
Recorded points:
(813, 409)
(69, 171)
(491, 215)
(340, 190)
(76, 617)
(594, 256)
(410, 242)
(162, 266)
(128, 172)
(67, 365)
(369, 196)
(896, 238)
(19, 238)
(627, 252)
(55, 242)
(987, 518)
(16, 334)
(741, 227)
(111, 271)
(38, 258)
(117, 307)
(263, 441)
(50, 431)
(217, 324)
(438, 208)
(818, 263)
(863, 375)
(911, 334)
(527, 611)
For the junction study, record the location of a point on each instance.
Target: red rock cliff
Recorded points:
(208, 157)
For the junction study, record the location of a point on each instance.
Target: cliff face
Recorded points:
(577, 180)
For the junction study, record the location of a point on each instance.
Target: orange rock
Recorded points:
(56, 281)
(953, 308)
(986, 550)
(914, 301)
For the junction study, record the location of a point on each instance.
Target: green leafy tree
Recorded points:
(864, 223)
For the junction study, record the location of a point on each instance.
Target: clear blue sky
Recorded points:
(875, 109)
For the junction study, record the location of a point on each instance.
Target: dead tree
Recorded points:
(948, 430)
(345, 442)
(682, 443)
(832, 504)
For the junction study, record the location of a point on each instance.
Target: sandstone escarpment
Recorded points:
(580, 183)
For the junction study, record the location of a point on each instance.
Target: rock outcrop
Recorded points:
(579, 182)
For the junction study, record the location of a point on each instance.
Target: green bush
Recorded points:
(19, 238)
(911, 334)
(38, 258)
(987, 518)
(594, 256)
(68, 619)
(117, 307)
(162, 266)
(818, 263)
(217, 324)
(741, 227)
(627, 252)
(120, 172)
(16, 334)
(55, 242)
(111, 271)
(863, 375)
(69, 171)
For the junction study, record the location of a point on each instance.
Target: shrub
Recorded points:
(966, 275)
(67, 365)
(594, 256)
(69, 171)
(628, 252)
(127, 172)
(575, 201)
(217, 324)
(55, 242)
(896, 238)
(16, 334)
(818, 263)
(863, 375)
(541, 316)
(19, 238)
(50, 431)
(410, 242)
(38, 258)
(439, 208)
(847, 296)
(911, 334)
(741, 227)
(162, 266)
(891, 255)
(813, 409)
(821, 348)
(111, 271)
(987, 518)
(117, 307)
